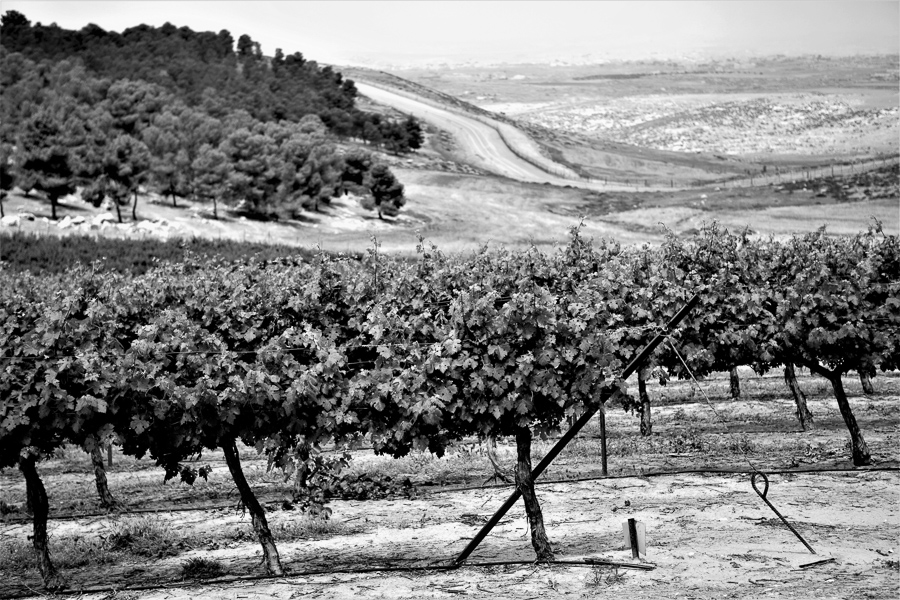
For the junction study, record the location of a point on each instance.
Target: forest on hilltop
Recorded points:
(190, 114)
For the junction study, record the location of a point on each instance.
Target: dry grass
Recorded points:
(293, 527)
(17, 556)
(201, 568)
(142, 536)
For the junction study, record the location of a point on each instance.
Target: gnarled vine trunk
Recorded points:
(106, 498)
(866, 380)
(37, 500)
(734, 381)
(646, 423)
(257, 514)
(858, 446)
(803, 415)
(525, 485)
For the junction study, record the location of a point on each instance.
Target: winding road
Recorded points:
(481, 142)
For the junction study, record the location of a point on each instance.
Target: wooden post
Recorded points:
(602, 415)
(633, 537)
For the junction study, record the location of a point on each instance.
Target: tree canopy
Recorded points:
(190, 114)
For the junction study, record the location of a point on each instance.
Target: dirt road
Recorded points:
(480, 143)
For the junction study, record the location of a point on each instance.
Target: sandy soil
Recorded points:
(708, 537)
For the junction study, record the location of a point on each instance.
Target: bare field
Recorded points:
(665, 120)
(750, 125)
(709, 534)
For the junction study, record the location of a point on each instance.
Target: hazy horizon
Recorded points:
(354, 33)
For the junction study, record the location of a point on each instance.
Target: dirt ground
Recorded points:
(709, 535)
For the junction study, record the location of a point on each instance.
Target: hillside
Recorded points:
(187, 115)
(486, 161)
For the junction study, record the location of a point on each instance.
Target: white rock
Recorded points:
(10, 221)
(27, 216)
(65, 223)
(106, 217)
(77, 220)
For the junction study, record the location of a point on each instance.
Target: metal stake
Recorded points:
(762, 495)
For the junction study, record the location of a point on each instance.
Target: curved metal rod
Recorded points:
(762, 495)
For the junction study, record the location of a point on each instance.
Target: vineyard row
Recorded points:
(288, 355)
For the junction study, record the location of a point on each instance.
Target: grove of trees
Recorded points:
(189, 114)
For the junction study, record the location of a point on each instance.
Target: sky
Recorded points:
(419, 32)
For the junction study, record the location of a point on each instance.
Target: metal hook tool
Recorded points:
(762, 495)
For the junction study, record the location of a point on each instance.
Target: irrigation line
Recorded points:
(545, 482)
(11, 520)
(444, 565)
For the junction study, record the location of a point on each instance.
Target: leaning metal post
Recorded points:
(573, 431)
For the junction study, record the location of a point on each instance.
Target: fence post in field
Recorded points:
(602, 416)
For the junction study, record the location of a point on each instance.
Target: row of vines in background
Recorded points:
(286, 355)
(37, 253)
